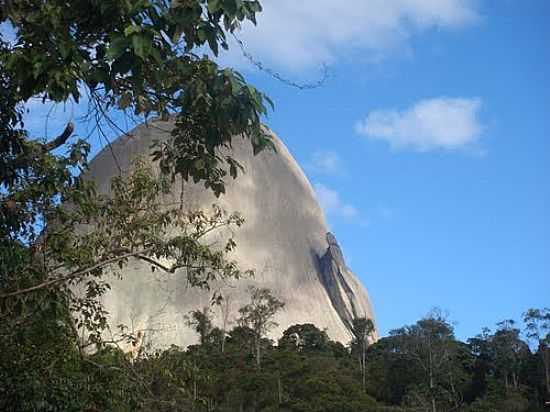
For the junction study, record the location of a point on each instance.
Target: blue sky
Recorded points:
(428, 145)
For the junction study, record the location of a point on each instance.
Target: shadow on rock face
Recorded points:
(337, 278)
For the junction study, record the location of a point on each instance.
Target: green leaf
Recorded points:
(138, 45)
(118, 46)
(142, 45)
(64, 50)
(124, 63)
(128, 31)
(214, 6)
(156, 55)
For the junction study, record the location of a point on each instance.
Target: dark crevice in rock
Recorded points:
(331, 274)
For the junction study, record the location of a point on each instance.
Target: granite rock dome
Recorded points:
(284, 239)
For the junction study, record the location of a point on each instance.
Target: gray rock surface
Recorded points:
(284, 239)
(344, 290)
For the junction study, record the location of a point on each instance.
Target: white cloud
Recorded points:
(332, 204)
(326, 162)
(302, 34)
(447, 123)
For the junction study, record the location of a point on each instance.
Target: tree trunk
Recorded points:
(258, 362)
(545, 350)
(279, 388)
(454, 393)
(364, 368)
(432, 397)
(432, 384)
(194, 393)
(225, 316)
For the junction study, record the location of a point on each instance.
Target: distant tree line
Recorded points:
(419, 367)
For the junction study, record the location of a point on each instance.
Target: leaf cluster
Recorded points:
(139, 57)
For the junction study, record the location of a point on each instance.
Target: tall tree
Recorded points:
(258, 315)
(510, 352)
(431, 346)
(483, 368)
(225, 311)
(362, 329)
(537, 327)
(201, 321)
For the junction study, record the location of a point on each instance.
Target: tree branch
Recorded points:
(73, 275)
(260, 66)
(157, 264)
(61, 139)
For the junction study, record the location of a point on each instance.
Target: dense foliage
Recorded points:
(140, 57)
(420, 367)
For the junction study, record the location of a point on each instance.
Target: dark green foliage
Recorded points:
(42, 369)
(289, 380)
(304, 337)
(423, 365)
(537, 323)
(140, 57)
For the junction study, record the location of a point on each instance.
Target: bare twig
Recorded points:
(262, 67)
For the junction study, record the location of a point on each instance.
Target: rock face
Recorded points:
(346, 294)
(284, 239)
